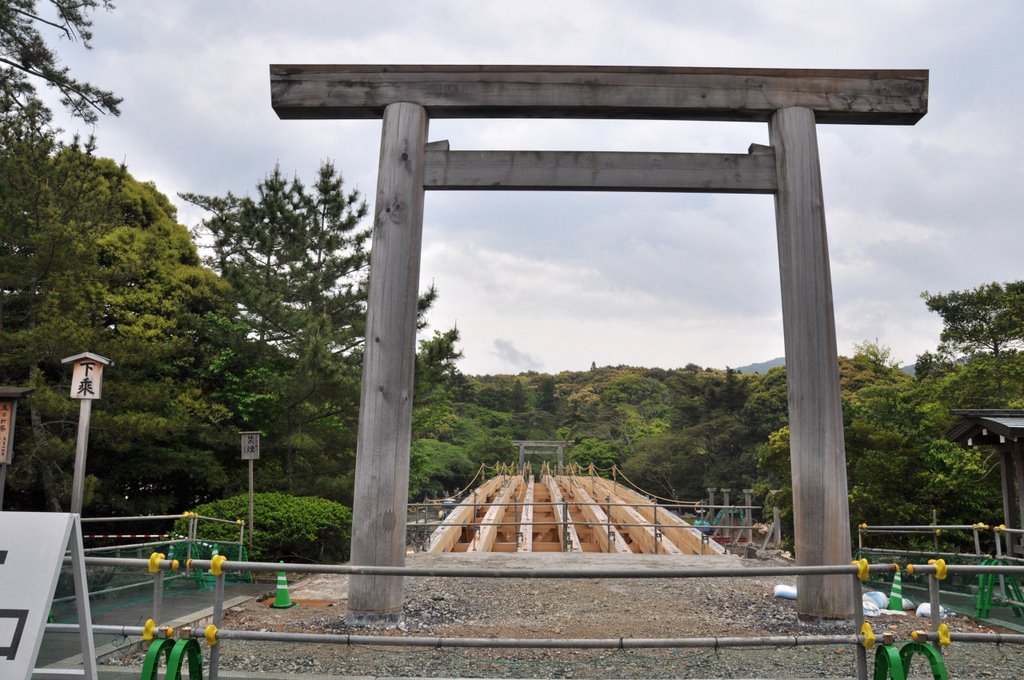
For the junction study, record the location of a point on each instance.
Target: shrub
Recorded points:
(286, 527)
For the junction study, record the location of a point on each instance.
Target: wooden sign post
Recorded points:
(8, 412)
(86, 385)
(250, 452)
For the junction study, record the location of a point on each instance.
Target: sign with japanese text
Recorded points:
(8, 409)
(32, 548)
(86, 379)
(250, 445)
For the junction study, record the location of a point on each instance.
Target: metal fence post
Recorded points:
(656, 532)
(608, 519)
(934, 603)
(218, 620)
(158, 593)
(192, 520)
(861, 652)
(565, 525)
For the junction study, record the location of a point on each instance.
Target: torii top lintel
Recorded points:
(879, 97)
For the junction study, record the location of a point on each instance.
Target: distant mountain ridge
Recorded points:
(761, 367)
(765, 366)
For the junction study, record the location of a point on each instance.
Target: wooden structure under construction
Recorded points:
(565, 513)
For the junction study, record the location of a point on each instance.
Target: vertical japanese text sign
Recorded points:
(86, 378)
(8, 410)
(250, 445)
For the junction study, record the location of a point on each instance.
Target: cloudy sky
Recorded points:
(555, 281)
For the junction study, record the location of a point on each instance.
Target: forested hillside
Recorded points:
(677, 432)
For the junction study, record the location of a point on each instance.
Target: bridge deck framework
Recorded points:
(566, 513)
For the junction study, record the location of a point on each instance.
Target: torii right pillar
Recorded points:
(817, 452)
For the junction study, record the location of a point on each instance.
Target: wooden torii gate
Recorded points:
(531, 447)
(790, 101)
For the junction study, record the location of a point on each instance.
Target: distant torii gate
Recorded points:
(791, 101)
(536, 447)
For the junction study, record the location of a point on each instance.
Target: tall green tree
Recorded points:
(91, 259)
(978, 363)
(296, 259)
(989, 318)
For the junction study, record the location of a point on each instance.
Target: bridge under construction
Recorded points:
(527, 513)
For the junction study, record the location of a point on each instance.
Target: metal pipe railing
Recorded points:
(131, 546)
(133, 518)
(470, 572)
(914, 528)
(853, 570)
(544, 643)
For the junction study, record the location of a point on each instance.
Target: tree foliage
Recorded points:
(26, 57)
(92, 259)
(285, 527)
(989, 318)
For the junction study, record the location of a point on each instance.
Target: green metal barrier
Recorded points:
(891, 664)
(888, 665)
(935, 662)
(986, 592)
(175, 653)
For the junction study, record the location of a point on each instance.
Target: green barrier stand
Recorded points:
(986, 591)
(984, 603)
(185, 648)
(1015, 593)
(938, 666)
(888, 664)
(151, 665)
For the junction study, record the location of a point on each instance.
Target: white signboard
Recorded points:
(32, 548)
(250, 445)
(87, 379)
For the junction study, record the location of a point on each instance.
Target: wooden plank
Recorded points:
(817, 452)
(447, 535)
(643, 536)
(891, 97)
(525, 543)
(752, 173)
(675, 529)
(483, 540)
(594, 512)
(389, 361)
(561, 516)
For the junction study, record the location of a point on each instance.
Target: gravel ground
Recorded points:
(630, 608)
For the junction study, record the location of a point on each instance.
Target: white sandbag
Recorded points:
(924, 610)
(877, 597)
(870, 608)
(785, 592)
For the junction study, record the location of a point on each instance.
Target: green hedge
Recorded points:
(286, 527)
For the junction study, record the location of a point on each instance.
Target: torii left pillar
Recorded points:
(389, 360)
